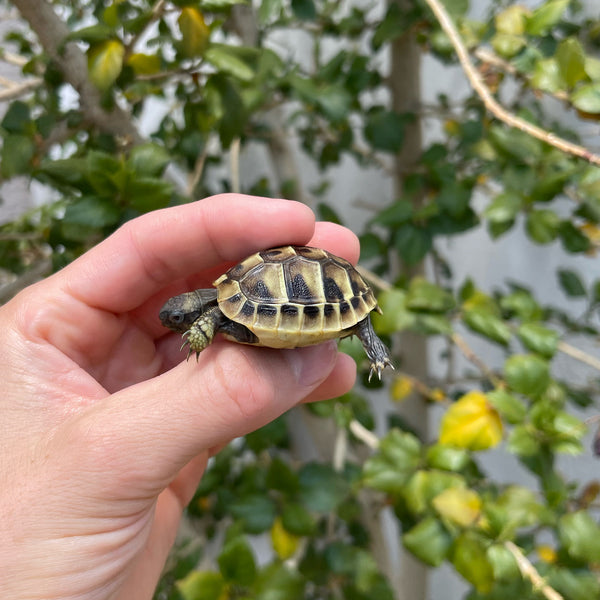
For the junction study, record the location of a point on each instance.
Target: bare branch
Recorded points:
(528, 571)
(462, 345)
(579, 355)
(491, 103)
(52, 33)
(364, 435)
(16, 90)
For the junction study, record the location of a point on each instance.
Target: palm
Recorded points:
(125, 427)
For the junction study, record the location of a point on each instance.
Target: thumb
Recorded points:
(152, 429)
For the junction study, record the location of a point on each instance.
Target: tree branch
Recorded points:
(52, 33)
(491, 103)
(528, 571)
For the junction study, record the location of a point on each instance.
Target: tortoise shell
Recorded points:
(294, 294)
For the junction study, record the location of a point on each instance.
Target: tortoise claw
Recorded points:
(379, 366)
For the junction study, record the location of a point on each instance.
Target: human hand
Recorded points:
(104, 429)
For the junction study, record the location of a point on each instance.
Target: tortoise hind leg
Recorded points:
(376, 350)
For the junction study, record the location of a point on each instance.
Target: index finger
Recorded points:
(158, 248)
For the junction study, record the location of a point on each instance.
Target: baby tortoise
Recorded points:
(281, 298)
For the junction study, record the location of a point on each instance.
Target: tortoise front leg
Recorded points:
(203, 330)
(379, 355)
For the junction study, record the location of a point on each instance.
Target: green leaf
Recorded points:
(148, 193)
(91, 211)
(580, 535)
(297, 520)
(390, 28)
(281, 477)
(511, 20)
(547, 76)
(503, 208)
(488, 324)
(149, 160)
(92, 34)
(398, 456)
(384, 129)
(17, 152)
(236, 562)
(447, 458)
(396, 316)
(574, 585)
(321, 488)
(571, 284)
(527, 374)
(227, 60)
(268, 10)
(503, 563)
(234, 117)
(17, 118)
(278, 582)
(256, 511)
(426, 296)
(508, 44)
(546, 17)
(334, 100)
(510, 407)
(396, 214)
(428, 541)
(412, 243)
(539, 339)
(542, 226)
(470, 559)
(522, 304)
(571, 61)
(304, 10)
(586, 98)
(201, 585)
(425, 485)
(523, 441)
(573, 240)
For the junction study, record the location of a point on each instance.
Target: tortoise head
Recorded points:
(179, 312)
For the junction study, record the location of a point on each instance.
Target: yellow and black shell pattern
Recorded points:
(295, 296)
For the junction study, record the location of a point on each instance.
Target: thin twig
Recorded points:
(15, 90)
(491, 103)
(368, 438)
(13, 59)
(462, 345)
(234, 158)
(579, 355)
(528, 571)
(196, 173)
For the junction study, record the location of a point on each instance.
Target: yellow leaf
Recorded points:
(460, 506)
(284, 543)
(105, 61)
(471, 423)
(401, 388)
(547, 554)
(194, 31)
(144, 64)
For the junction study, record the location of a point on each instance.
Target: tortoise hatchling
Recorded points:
(281, 298)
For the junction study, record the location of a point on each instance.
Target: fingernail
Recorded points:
(312, 364)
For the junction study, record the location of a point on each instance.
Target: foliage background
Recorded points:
(467, 456)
